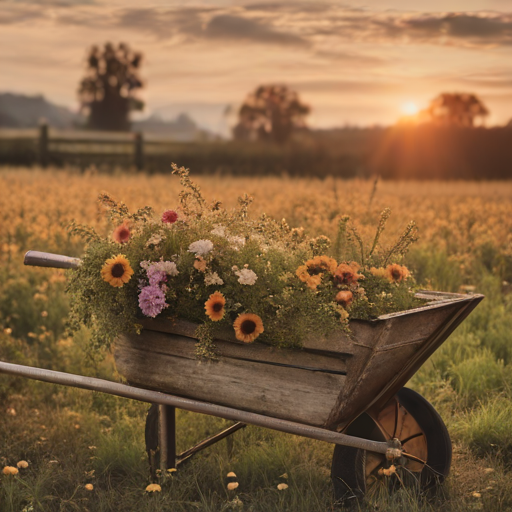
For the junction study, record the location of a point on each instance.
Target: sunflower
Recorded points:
(248, 327)
(396, 273)
(117, 271)
(215, 306)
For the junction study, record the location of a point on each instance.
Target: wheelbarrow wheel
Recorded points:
(413, 420)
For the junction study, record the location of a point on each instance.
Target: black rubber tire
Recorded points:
(348, 464)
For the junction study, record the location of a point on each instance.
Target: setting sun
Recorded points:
(409, 108)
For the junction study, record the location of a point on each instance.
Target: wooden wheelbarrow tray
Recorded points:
(327, 384)
(316, 392)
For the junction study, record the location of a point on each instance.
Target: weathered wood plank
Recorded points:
(282, 392)
(338, 343)
(183, 346)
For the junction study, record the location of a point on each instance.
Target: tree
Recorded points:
(108, 91)
(271, 112)
(457, 109)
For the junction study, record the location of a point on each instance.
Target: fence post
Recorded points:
(138, 152)
(43, 145)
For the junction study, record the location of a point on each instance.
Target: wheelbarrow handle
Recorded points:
(47, 259)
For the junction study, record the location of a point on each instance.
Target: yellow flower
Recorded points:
(214, 306)
(387, 472)
(232, 486)
(282, 487)
(231, 474)
(22, 464)
(248, 327)
(343, 314)
(10, 470)
(117, 271)
(378, 272)
(153, 488)
(89, 487)
(200, 264)
(396, 273)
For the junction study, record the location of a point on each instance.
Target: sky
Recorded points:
(356, 62)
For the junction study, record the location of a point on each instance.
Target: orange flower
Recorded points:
(215, 306)
(312, 271)
(200, 264)
(321, 263)
(396, 273)
(248, 327)
(311, 281)
(117, 271)
(302, 273)
(344, 298)
(122, 233)
(346, 273)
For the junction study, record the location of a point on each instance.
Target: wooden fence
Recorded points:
(45, 146)
(106, 150)
(423, 152)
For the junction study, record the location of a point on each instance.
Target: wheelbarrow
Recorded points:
(347, 389)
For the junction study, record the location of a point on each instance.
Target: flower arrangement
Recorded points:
(258, 278)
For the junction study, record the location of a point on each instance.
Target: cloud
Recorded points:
(53, 3)
(146, 20)
(490, 81)
(15, 15)
(299, 7)
(309, 25)
(229, 27)
(458, 29)
(344, 86)
(476, 29)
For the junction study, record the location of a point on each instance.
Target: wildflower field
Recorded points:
(72, 450)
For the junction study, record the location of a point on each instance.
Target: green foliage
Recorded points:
(486, 429)
(261, 266)
(468, 380)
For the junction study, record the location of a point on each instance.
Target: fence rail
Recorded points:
(423, 152)
(47, 146)
(44, 146)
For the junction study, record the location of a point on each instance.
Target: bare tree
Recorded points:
(456, 109)
(108, 91)
(271, 112)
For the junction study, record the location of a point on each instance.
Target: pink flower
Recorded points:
(170, 216)
(122, 233)
(152, 301)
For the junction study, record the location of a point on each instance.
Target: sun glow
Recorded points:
(409, 108)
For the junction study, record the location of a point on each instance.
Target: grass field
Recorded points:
(72, 438)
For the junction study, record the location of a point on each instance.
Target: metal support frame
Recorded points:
(145, 395)
(167, 436)
(184, 456)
